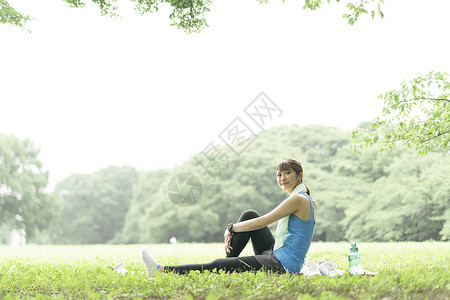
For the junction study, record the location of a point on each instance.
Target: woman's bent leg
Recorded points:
(262, 239)
(232, 264)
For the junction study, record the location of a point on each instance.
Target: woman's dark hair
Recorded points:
(292, 164)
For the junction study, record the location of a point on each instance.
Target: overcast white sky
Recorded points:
(91, 91)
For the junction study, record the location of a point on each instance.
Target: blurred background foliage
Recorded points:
(364, 196)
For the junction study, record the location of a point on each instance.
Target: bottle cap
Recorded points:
(354, 249)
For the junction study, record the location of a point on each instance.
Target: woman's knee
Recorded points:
(249, 214)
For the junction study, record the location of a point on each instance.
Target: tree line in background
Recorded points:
(24, 204)
(361, 195)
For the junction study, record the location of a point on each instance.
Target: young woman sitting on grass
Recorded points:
(285, 252)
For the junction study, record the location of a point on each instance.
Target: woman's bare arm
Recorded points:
(290, 205)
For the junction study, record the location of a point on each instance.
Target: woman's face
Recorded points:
(288, 180)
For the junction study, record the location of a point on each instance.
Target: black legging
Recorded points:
(262, 240)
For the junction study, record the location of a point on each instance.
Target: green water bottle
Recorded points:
(354, 261)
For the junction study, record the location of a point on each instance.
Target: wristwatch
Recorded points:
(230, 227)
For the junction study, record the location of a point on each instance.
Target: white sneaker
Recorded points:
(327, 269)
(370, 273)
(310, 269)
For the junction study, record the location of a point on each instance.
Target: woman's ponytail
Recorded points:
(308, 191)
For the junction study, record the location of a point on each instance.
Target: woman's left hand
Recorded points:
(228, 236)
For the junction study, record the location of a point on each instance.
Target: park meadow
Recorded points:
(408, 270)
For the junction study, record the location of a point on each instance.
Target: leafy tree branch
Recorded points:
(416, 115)
(8, 15)
(189, 15)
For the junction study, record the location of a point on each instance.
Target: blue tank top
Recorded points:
(297, 241)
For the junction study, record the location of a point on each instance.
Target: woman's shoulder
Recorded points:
(302, 201)
(304, 206)
(301, 196)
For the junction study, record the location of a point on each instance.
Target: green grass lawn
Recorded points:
(406, 271)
